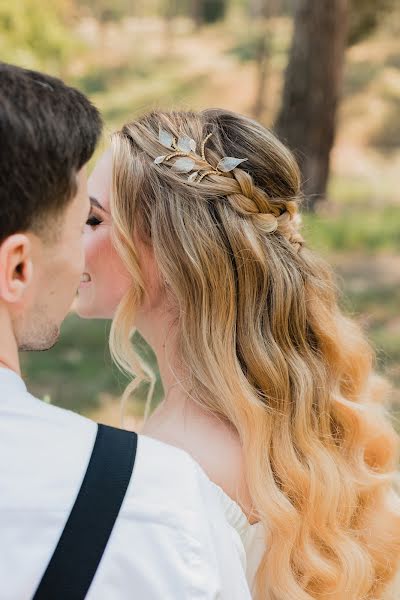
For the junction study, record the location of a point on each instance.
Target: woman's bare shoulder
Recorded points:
(214, 445)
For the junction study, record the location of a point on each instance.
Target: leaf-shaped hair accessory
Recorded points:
(228, 163)
(192, 177)
(184, 150)
(186, 144)
(183, 165)
(165, 138)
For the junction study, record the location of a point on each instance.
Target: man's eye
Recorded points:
(93, 221)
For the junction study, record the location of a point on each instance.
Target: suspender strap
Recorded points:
(89, 526)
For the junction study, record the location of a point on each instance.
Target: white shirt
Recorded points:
(171, 540)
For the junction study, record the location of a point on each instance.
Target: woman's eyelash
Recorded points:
(93, 221)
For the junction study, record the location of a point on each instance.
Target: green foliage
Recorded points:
(365, 16)
(393, 60)
(79, 368)
(106, 11)
(378, 303)
(81, 355)
(212, 11)
(387, 345)
(102, 79)
(34, 34)
(357, 76)
(386, 138)
(140, 90)
(355, 229)
(247, 46)
(353, 191)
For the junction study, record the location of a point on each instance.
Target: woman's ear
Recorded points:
(16, 267)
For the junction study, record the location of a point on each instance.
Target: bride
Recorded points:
(193, 239)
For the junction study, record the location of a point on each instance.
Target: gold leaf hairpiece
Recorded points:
(187, 161)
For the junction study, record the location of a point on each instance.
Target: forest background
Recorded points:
(328, 82)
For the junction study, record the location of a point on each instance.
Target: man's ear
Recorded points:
(16, 268)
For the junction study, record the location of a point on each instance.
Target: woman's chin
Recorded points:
(84, 310)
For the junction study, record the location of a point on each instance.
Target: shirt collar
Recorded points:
(12, 378)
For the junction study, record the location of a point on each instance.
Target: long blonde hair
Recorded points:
(267, 349)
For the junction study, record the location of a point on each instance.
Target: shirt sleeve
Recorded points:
(171, 540)
(156, 559)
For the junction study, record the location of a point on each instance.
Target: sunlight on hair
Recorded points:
(266, 347)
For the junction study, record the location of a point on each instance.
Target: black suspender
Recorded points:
(89, 526)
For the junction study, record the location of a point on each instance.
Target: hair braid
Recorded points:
(268, 214)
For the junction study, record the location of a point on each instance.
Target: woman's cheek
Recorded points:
(115, 280)
(97, 250)
(110, 280)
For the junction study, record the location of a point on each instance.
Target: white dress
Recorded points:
(249, 539)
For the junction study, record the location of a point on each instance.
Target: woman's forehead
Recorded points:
(99, 183)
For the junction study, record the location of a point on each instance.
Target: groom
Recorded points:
(161, 538)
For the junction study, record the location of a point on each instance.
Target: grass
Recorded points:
(386, 137)
(363, 191)
(358, 76)
(376, 305)
(78, 372)
(355, 229)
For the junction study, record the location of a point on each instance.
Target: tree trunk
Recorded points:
(262, 10)
(262, 61)
(205, 12)
(196, 12)
(312, 88)
(257, 8)
(170, 11)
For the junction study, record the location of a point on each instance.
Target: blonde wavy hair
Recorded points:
(267, 349)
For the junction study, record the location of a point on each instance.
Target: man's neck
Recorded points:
(9, 358)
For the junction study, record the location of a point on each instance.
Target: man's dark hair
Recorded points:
(48, 131)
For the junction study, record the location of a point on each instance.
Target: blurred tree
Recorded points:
(169, 11)
(256, 8)
(365, 16)
(208, 11)
(262, 11)
(106, 11)
(35, 34)
(306, 121)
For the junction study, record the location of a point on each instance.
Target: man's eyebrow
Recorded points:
(96, 203)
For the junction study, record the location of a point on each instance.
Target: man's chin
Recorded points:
(40, 345)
